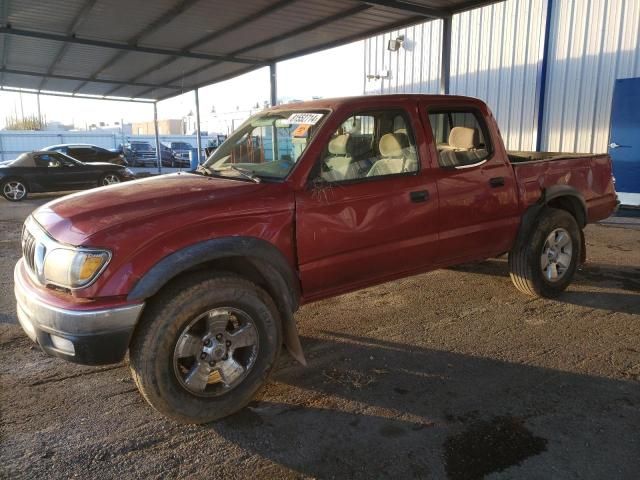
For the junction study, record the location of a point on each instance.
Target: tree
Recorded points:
(30, 122)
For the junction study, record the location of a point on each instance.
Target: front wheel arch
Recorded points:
(248, 257)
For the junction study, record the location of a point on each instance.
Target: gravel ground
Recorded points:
(448, 374)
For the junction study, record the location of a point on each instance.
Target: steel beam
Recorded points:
(541, 82)
(155, 127)
(198, 136)
(152, 86)
(75, 24)
(218, 33)
(81, 96)
(124, 46)
(410, 8)
(445, 56)
(273, 83)
(306, 51)
(278, 38)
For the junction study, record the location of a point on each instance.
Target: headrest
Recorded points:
(464, 138)
(392, 144)
(338, 145)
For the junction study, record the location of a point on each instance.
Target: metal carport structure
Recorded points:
(148, 51)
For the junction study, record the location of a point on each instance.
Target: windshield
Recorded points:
(267, 145)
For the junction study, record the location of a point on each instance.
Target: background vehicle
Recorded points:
(198, 275)
(48, 171)
(140, 154)
(143, 154)
(88, 153)
(181, 150)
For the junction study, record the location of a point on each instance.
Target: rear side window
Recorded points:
(461, 138)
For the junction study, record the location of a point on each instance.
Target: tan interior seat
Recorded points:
(462, 149)
(397, 156)
(340, 162)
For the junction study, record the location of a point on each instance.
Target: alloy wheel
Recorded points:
(556, 255)
(14, 190)
(110, 179)
(216, 351)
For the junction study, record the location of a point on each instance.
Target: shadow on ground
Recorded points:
(419, 412)
(626, 279)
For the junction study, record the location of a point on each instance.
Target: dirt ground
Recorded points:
(449, 374)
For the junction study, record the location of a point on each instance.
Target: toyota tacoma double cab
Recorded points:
(197, 275)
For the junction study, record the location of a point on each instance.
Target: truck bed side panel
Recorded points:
(591, 176)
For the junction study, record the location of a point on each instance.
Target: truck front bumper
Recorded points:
(87, 336)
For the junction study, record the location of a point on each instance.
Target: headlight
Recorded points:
(128, 171)
(74, 268)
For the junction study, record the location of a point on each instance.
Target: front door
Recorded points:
(624, 146)
(369, 212)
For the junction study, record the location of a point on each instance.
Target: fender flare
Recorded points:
(283, 283)
(531, 214)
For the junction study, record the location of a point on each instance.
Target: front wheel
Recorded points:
(545, 263)
(14, 190)
(204, 348)
(109, 179)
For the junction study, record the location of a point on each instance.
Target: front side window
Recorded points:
(369, 145)
(267, 145)
(460, 137)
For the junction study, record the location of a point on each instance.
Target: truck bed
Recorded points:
(588, 174)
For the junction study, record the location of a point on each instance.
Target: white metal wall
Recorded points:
(592, 43)
(496, 55)
(415, 68)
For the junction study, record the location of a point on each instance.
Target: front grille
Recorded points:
(29, 249)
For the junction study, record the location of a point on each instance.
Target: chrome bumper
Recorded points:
(82, 336)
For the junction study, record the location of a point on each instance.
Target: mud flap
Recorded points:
(292, 340)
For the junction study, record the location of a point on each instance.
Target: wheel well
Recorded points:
(571, 205)
(241, 266)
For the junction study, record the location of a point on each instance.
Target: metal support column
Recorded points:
(445, 60)
(273, 80)
(198, 136)
(155, 127)
(542, 79)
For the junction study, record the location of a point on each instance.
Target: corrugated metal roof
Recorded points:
(157, 49)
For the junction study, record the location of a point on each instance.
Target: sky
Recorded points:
(331, 73)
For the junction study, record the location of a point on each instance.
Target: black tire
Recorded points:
(8, 191)
(525, 262)
(168, 316)
(103, 182)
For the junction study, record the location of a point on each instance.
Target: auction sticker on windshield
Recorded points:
(305, 118)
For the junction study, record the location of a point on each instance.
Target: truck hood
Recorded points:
(75, 218)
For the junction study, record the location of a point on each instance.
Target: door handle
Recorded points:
(496, 182)
(419, 196)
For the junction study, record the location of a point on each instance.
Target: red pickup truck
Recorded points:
(197, 275)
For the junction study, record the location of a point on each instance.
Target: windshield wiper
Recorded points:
(245, 173)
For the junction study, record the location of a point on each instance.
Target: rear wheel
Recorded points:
(14, 190)
(204, 348)
(109, 179)
(545, 264)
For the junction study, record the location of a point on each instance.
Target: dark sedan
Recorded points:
(88, 153)
(53, 172)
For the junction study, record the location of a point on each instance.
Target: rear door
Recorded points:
(624, 146)
(369, 211)
(477, 191)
